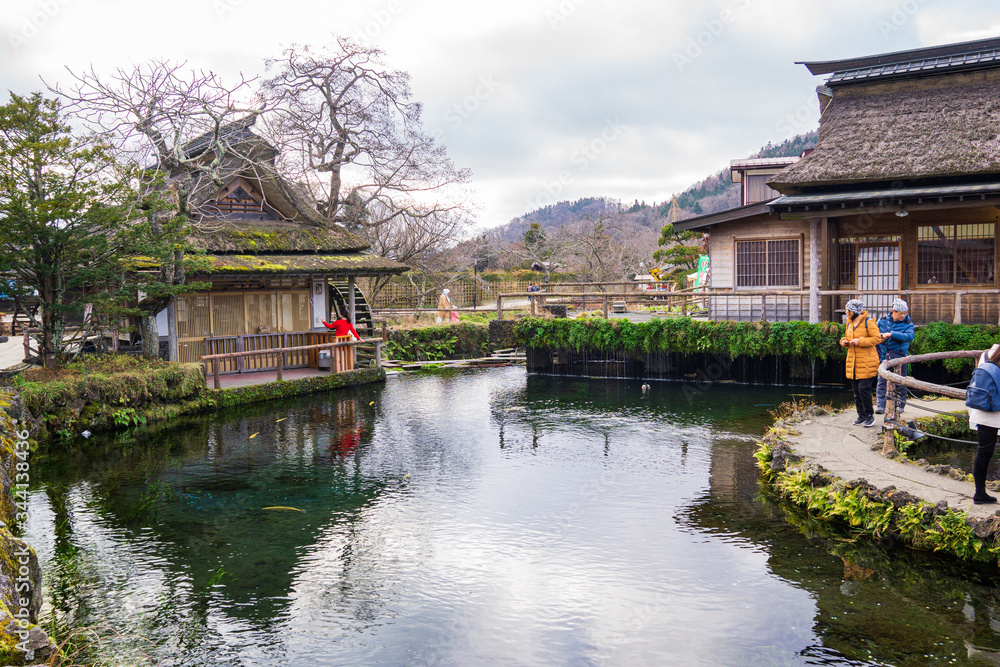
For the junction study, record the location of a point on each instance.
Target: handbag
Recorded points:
(984, 388)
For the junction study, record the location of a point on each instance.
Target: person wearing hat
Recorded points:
(861, 338)
(444, 305)
(897, 332)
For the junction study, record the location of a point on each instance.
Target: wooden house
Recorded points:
(900, 196)
(276, 268)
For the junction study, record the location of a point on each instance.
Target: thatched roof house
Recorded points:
(900, 194)
(275, 265)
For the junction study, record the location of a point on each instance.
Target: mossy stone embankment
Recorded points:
(862, 510)
(119, 392)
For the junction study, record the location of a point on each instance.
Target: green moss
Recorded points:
(463, 340)
(862, 511)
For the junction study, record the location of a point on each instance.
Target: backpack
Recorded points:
(984, 388)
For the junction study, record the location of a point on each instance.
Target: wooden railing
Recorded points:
(885, 370)
(279, 356)
(743, 305)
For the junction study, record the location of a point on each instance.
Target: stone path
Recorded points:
(855, 452)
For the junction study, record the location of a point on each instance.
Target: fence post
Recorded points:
(888, 435)
(763, 308)
(499, 306)
(216, 382)
(281, 365)
(378, 354)
(385, 331)
(531, 301)
(958, 308)
(605, 306)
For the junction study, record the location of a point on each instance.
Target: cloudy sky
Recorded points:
(543, 99)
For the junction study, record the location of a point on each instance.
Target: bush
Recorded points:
(447, 341)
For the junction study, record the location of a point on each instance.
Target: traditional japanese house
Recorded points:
(276, 268)
(899, 196)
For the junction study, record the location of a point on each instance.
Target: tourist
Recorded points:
(342, 327)
(444, 306)
(860, 339)
(986, 424)
(897, 332)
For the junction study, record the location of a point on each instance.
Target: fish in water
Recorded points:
(285, 508)
(645, 387)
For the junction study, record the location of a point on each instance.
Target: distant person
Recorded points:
(860, 339)
(342, 327)
(987, 424)
(897, 332)
(444, 306)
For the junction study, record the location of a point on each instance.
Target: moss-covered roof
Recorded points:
(344, 263)
(250, 238)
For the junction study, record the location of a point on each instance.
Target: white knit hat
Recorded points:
(856, 306)
(900, 306)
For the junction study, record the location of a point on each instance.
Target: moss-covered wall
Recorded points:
(462, 340)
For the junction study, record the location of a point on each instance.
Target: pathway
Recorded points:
(855, 452)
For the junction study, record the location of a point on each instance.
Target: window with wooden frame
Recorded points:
(847, 255)
(768, 263)
(956, 254)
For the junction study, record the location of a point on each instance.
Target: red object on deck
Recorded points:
(342, 327)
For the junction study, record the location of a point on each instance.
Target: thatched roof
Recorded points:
(928, 128)
(341, 264)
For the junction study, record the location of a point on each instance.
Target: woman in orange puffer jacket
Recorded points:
(860, 339)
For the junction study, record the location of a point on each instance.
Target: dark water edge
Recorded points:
(480, 517)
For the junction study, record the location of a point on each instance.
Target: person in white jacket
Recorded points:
(986, 425)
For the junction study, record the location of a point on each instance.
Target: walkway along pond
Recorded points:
(477, 517)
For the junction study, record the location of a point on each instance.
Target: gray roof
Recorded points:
(978, 54)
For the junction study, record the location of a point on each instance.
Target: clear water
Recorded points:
(478, 518)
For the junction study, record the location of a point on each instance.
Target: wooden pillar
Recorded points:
(888, 435)
(958, 308)
(172, 329)
(281, 365)
(351, 306)
(813, 271)
(605, 306)
(378, 354)
(499, 306)
(531, 305)
(216, 382)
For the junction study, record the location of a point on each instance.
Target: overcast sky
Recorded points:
(543, 99)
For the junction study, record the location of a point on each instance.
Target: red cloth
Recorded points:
(342, 327)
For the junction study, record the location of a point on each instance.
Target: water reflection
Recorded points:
(476, 518)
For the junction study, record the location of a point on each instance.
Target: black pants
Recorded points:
(987, 442)
(863, 397)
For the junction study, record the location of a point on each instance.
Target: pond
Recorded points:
(478, 518)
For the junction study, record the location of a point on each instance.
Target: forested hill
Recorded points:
(715, 193)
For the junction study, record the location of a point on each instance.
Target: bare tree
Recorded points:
(189, 129)
(601, 250)
(351, 135)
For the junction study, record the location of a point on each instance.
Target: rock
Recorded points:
(984, 528)
(815, 411)
(941, 508)
(901, 498)
(781, 455)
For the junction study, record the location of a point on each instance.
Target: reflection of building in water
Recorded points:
(733, 475)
